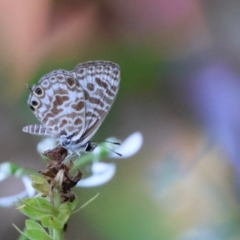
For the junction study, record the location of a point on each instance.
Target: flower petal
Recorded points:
(102, 173)
(10, 200)
(46, 144)
(28, 185)
(129, 146)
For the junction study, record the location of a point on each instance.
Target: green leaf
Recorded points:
(65, 207)
(66, 210)
(32, 209)
(85, 204)
(38, 179)
(30, 202)
(48, 207)
(64, 216)
(42, 188)
(68, 207)
(33, 224)
(40, 184)
(40, 204)
(36, 234)
(52, 222)
(31, 213)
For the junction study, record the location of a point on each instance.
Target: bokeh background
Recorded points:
(180, 88)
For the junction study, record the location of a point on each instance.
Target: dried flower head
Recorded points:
(57, 173)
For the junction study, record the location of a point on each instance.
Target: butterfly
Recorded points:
(71, 105)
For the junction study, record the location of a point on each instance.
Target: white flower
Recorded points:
(46, 144)
(28, 192)
(101, 173)
(104, 172)
(129, 146)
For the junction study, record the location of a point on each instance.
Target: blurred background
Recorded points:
(180, 88)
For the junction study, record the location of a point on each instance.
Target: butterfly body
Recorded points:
(71, 105)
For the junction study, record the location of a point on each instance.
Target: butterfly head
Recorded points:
(76, 146)
(66, 143)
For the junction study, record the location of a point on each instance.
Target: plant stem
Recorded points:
(57, 234)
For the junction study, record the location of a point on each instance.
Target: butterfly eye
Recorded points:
(90, 146)
(38, 91)
(66, 142)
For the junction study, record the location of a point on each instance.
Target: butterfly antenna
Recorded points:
(119, 154)
(115, 143)
(28, 87)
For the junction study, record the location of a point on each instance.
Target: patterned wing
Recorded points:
(58, 103)
(100, 82)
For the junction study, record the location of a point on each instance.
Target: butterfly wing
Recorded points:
(58, 102)
(100, 82)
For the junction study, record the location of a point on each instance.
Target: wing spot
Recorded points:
(78, 122)
(32, 108)
(96, 101)
(59, 100)
(60, 77)
(90, 86)
(92, 115)
(47, 117)
(79, 106)
(114, 88)
(110, 93)
(56, 110)
(101, 83)
(115, 72)
(63, 123)
(70, 81)
(45, 83)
